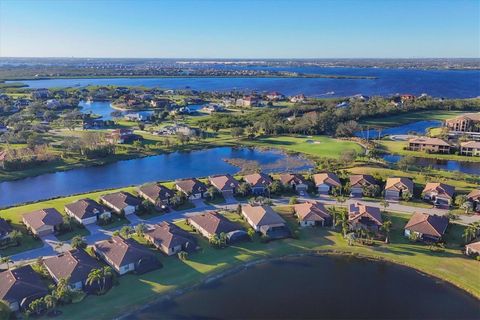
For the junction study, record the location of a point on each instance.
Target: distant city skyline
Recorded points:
(260, 29)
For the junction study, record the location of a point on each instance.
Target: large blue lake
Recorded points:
(137, 171)
(437, 83)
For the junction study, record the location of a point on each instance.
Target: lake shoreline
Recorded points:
(175, 293)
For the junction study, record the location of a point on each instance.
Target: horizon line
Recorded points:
(220, 58)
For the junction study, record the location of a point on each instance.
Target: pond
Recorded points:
(450, 165)
(137, 171)
(104, 109)
(320, 288)
(419, 127)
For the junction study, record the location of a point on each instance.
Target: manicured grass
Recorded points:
(28, 243)
(77, 231)
(395, 120)
(117, 221)
(185, 206)
(134, 290)
(396, 147)
(219, 199)
(319, 146)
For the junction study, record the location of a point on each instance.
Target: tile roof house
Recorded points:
(263, 219)
(258, 182)
(121, 202)
(474, 198)
(126, 255)
(212, 223)
(86, 211)
(464, 123)
(473, 248)
(326, 181)
(470, 148)
(73, 265)
(439, 194)
(294, 181)
(20, 286)
(193, 188)
(5, 229)
(226, 184)
(170, 239)
(434, 145)
(427, 227)
(361, 216)
(157, 194)
(396, 187)
(360, 181)
(312, 213)
(43, 222)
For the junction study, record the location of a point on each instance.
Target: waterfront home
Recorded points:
(430, 145)
(5, 229)
(312, 213)
(136, 116)
(87, 211)
(248, 101)
(467, 122)
(170, 239)
(121, 202)
(275, 96)
(299, 98)
(20, 286)
(258, 182)
(326, 181)
(73, 265)
(474, 198)
(212, 224)
(470, 148)
(295, 182)
(266, 221)
(192, 188)
(121, 136)
(426, 227)
(157, 194)
(211, 108)
(358, 182)
(439, 194)
(473, 248)
(43, 222)
(160, 103)
(395, 188)
(126, 255)
(226, 184)
(361, 216)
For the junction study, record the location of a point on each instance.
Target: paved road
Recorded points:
(97, 233)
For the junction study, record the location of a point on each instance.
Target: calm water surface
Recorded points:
(450, 165)
(137, 171)
(420, 127)
(320, 288)
(437, 83)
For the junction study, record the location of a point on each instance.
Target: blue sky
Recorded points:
(240, 29)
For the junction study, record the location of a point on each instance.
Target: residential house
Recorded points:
(361, 216)
(299, 98)
(258, 182)
(43, 222)
(426, 227)
(121, 136)
(468, 122)
(137, 116)
(294, 181)
(312, 213)
(275, 96)
(53, 104)
(212, 224)
(192, 188)
(474, 198)
(407, 97)
(266, 221)
(211, 108)
(473, 248)
(326, 181)
(226, 184)
(431, 145)
(249, 101)
(87, 211)
(157, 194)
(396, 187)
(439, 194)
(160, 103)
(170, 239)
(73, 265)
(121, 202)
(470, 148)
(5, 229)
(20, 286)
(360, 181)
(126, 255)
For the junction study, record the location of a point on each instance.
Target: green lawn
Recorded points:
(318, 146)
(395, 120)
(449, 264)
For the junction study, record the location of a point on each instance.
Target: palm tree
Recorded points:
(95, 276)
(107, 273)
(244, 188)
(5, 310)
(77, 242)
(140, 229)
(62, 291)
(386, 227)
(37, 306)
(125, 231)
(212, 192)
(384, 204)
(6, 260)
(471, 232)
(50, 301)
(16, 236)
